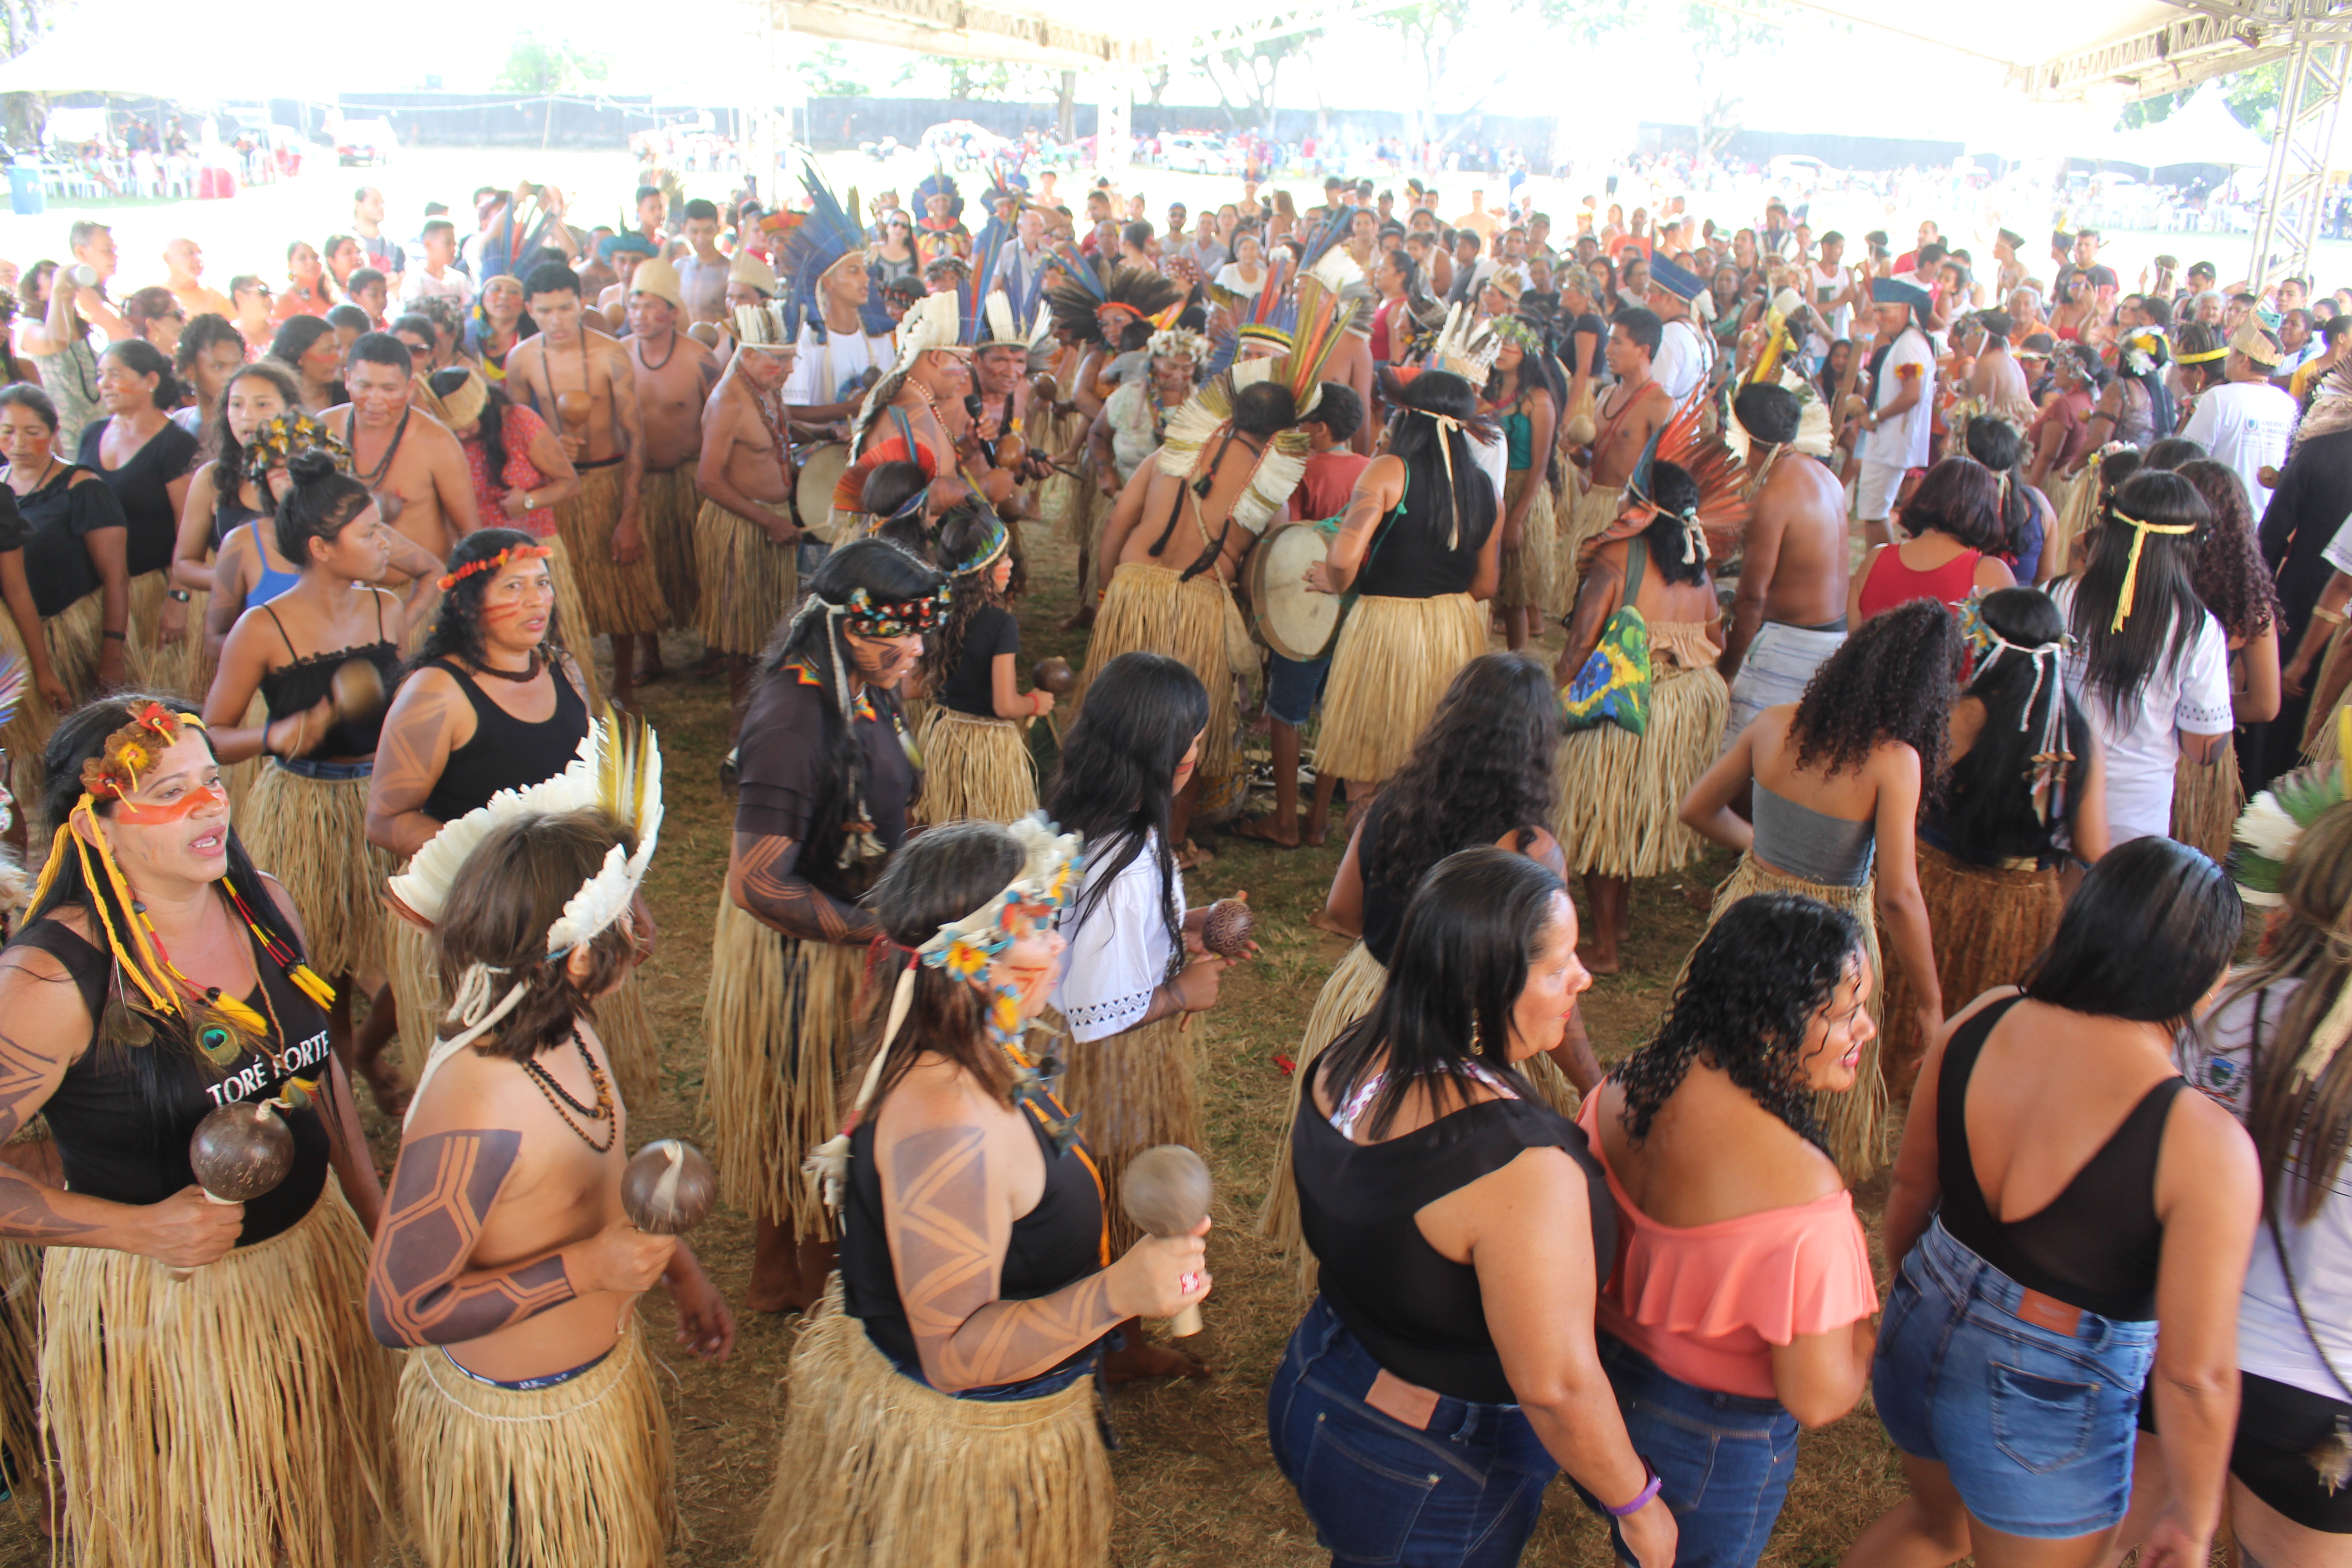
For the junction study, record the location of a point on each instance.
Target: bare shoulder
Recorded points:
(278, 897)
(472, 1090)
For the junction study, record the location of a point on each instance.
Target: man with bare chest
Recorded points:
(1789, 615)
(584, 385)
(407, 458)
(674, 376)
(745, 533)
(1626, 417)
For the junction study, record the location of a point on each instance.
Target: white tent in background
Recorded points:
(2201, 131)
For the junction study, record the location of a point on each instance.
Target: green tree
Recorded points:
(1719, 40)
(824, 73)
(1432, 28)
(22, 24)
(540, 66)
(1244, 76)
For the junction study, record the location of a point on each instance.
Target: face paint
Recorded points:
(139, 815)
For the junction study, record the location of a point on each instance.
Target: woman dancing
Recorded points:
(160, 976)
(947, 1382)
(976, 739)
(1520, 396)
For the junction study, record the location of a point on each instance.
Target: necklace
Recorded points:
(643, 363)
(558, 1098)
(38, 484)
(351, 424)
(529, 671)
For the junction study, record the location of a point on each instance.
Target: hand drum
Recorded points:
(1166, 1192)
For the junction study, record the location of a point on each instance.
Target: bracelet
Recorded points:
(2333, 618)
(114, 636)
(1642, 1498)
(177, 595)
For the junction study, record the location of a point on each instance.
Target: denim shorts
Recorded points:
(1293, 689)
(1462, 1492)
(1725, 1459)
(2035, 1426)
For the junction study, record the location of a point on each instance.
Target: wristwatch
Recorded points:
(529, 501)
(178, 594)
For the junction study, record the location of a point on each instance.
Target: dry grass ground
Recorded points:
(1197, 1487)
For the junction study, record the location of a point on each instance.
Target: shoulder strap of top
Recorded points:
(379, 596)
(280, 625)
(1637, 556)
(1957, 1175)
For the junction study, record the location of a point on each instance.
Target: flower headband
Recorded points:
(1516, 332)
(283, 435)
(992, 546)
(896, 617)
(1180, 343)
(130, 751)
(492, 562)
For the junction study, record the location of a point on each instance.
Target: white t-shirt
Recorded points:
(418, 284)
(2191, 697)
(2245, 426)
(1829, 282)
(823, 368)
(1684, 354)
(1906, 441)
(1229, 277)
(2216, 1055)
(1118, 950)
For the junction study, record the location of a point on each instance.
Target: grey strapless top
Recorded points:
(1804, 843)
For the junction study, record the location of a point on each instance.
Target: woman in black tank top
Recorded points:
(160, 977)
(2062, 1219)
(999, 1289)
(309, 653)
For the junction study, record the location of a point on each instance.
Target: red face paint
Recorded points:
(171, 811)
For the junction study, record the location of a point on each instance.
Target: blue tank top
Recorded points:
(272, 582)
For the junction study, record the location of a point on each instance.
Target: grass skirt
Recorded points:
(778, 1022)
(1594, 510)
(1620, 792)
(752, 581)
(618, 599)
(1135, 1090)
(77, 635)
(876, 1470)
(311, 834)
(20, 1369)
(172, 667)
(572, 617)
(976, 768)
(2324, 747)
(1531, 571)
(2074, 510)
(1149, 610)
(231, 1419)
(1989, 924)
(1393, 660)
(576, 1476)
(2207, 798)
(1852, 1121)
(26, 736)
(667, 505)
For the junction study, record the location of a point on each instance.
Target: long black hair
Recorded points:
(1471, 509)
(1463, 955)
(228, 468)
(2166, 614)
(1996, 443)
(1117, 779)
(1668, 537)
(1988, 802)
(939, 877)
(2144, 938)
(960, 535)
(2231, 576)
(1483, 765)
(1892, 680)
(1748, 1001)
(456, 628)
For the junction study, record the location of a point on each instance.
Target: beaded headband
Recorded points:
(894, 617)
(492, 562)
(992, 546)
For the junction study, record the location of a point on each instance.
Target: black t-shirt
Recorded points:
(141, 485)
(52, 526)
(1587, 323)
(971, 686)
(788, 788)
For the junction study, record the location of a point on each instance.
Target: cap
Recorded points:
(2257, 345)
(747, 267)
(1897, 291)
(659, 279)
(1676, 279)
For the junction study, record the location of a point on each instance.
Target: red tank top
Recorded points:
(1893, 583)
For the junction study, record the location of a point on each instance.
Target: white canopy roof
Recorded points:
(2201, 131)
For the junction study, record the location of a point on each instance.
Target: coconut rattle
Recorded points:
(1226, 930)
(668, 1188)
(1166, 1194)
(357, 689)
(240, 1152)
(1053, 676)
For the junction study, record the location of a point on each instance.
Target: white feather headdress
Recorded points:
(1465, 346)
(1195, 428)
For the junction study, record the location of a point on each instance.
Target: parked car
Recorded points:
(1199, 155)
(365, 142)
(1805, 173)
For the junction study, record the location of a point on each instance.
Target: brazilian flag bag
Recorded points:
(1613, 687)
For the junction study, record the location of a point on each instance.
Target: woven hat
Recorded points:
(659, 279)
(2258, 346)
(747, 267)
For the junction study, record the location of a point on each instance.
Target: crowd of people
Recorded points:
(1540, 546)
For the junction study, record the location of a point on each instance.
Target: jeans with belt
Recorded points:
(1462, 1491)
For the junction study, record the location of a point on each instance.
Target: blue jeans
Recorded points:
(2035, 1425)
(1292, 688)
(1464, 1492)
(1724, 1459)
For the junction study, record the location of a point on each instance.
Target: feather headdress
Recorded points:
(939, 183)
(2268, 830)
(825, 238)
(1465, 346)
(1717, 523)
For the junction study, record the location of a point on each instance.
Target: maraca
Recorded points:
(356, 689)
(668, 1188)
(574, 408)
(1854, 404)
(1166, 1194)
(1054, 675)
(1580, 430)
(240, 1152)
(1225, 931)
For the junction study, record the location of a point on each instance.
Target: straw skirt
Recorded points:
(1393, 660)
(876, 1470)
(173, 665)
(667, 505)
(974, 768)
(1989, 923)
(575, 1476)
(234, 1419)
(2074, 514)
(1852, 1120)
(1619, 793)
(1531, 569)
(778, 1022)
(572, 617)
(748, 581)
(1594, 510)
(2207, 798)
(77, 635)
(618, 599)
(1134, 1091)
(311, 834)
(1150, 609)
(26, 736)
(20, 1369)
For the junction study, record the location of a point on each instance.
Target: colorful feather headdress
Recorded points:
(821, 240)
(2268, 830)
(1712, 528)
(1465, 346)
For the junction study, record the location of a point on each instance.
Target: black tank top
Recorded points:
(1408, 558)
(230, 513)
(293, 687)
(1420, 1314)
(505, 752)
(122, 1127)
(1057, 1242)
(2094, 1246)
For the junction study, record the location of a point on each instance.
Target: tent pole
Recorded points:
(2296, 181)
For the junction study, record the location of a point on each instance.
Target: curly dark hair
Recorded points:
(1484, 765)
(959, 534)
(1748, 1001)
(2230, 576)
(1893, 679)
(456, 628)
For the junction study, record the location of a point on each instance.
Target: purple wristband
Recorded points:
(1642, 1498)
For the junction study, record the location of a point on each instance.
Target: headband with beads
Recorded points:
(493, 563)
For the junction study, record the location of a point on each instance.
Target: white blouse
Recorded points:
(1119, 950)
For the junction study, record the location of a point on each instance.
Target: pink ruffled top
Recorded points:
(1706, 1303)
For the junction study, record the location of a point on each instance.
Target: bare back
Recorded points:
(1799, 522)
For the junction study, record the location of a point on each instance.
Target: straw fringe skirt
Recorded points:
(311, 834)
(229, 1420)
(778, 1022)
(748, 581)
(576, 1476)
(174, 665)
(572, 617)
(1353, 987)
(1135, 1090)
(1853, 1122)
(1594, 510)
(876, 1470)
(621, 600)
(1393, 660)
(2207, 798)
(2323, 745)
(667, 503)
(1621, 793)
(2327, 691)
(20, 1371)
(975, 768)
(1531, 571)
(1149, 610)
(77, 636)
(26, 736)
(2075, 513)
(1990, 924)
